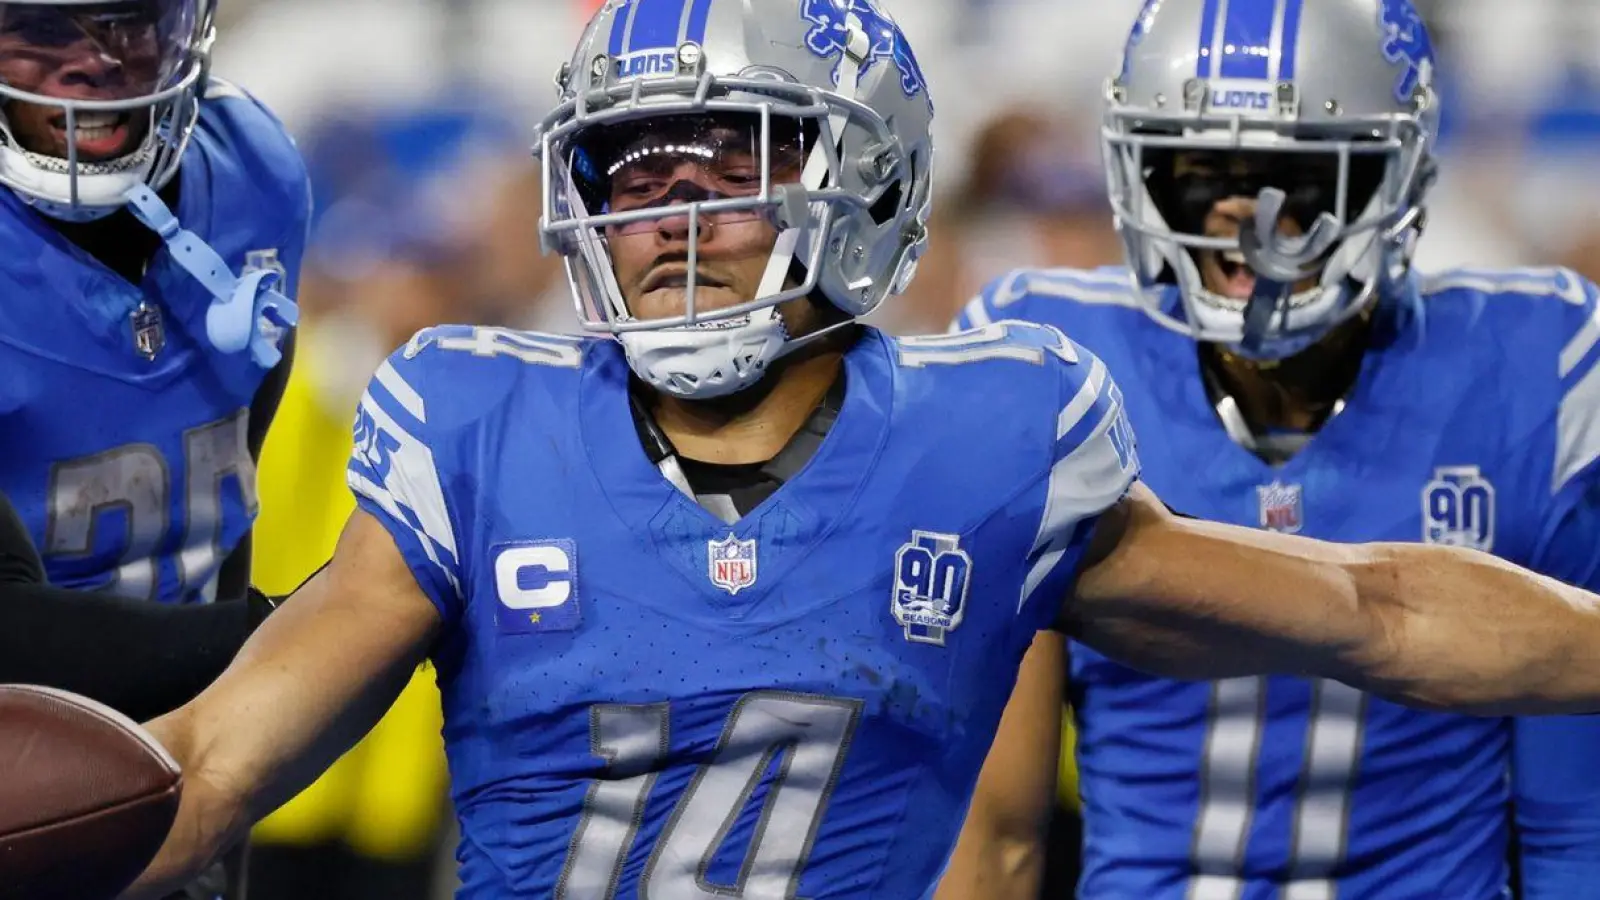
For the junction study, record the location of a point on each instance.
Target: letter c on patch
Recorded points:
(533, 577)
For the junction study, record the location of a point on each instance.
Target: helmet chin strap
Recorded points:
(1280, 262)
(67, 212)
(247, 312)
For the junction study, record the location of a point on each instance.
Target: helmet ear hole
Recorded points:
(1367, 174)
(1160, 180)
(888, 205)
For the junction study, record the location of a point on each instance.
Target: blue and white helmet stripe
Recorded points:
(1249, 40)
(658, 25)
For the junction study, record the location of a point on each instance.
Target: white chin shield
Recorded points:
(711, 359)
(48, 184)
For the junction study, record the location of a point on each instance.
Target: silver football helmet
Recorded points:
(693, 115)
(100, 96)
(1321, 114)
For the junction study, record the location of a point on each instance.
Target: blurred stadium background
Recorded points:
(415, 117)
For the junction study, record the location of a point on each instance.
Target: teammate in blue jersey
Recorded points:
(1336, 393)
(141, 368)
(141, 372)
(730, 605)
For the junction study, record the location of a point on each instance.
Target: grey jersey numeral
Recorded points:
(212, 453)
(1229, 795)
(136, 481)
(132, 479)
(808, 735)
(632, 740)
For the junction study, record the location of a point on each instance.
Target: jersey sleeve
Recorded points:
(275, 170)
(395, 473)
(294, 245)
(1570, 528)
(1556, 787)
(1094, 461)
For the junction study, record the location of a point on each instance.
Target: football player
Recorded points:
(154, 219)
(141, 369)
(1287, 369)
(731, 605)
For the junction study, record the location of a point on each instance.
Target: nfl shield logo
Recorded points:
(1280, 507)
(732, 563)
(149, 334)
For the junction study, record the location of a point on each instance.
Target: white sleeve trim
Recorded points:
(1083, 483)
(412, 484)
(402, 391)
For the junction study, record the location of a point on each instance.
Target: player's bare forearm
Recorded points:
(304, 689)
(1429, 626)
(1468, 632)
(1000, 854)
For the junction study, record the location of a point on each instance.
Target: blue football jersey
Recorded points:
(132, 473)
(1474, 421)
(641, 700)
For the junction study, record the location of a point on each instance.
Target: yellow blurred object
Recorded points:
(385, 798)
(1067, 775)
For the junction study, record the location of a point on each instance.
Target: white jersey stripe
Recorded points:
(1577, 429)
(411, 481)
(402, 392)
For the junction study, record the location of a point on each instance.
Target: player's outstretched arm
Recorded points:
(1000, 854)
(1429, 626)
(316, 677)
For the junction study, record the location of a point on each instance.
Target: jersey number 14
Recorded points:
(811, 732)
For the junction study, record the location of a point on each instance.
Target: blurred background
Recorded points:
(415, 117)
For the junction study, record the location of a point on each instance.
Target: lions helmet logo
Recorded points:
(829, 36)
(1406, 40)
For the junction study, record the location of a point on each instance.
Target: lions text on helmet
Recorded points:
(722, 198)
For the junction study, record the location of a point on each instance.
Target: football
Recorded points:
(86, 796)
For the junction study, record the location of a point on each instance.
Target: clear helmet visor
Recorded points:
(677, 220)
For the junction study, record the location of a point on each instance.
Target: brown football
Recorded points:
(86, 796)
